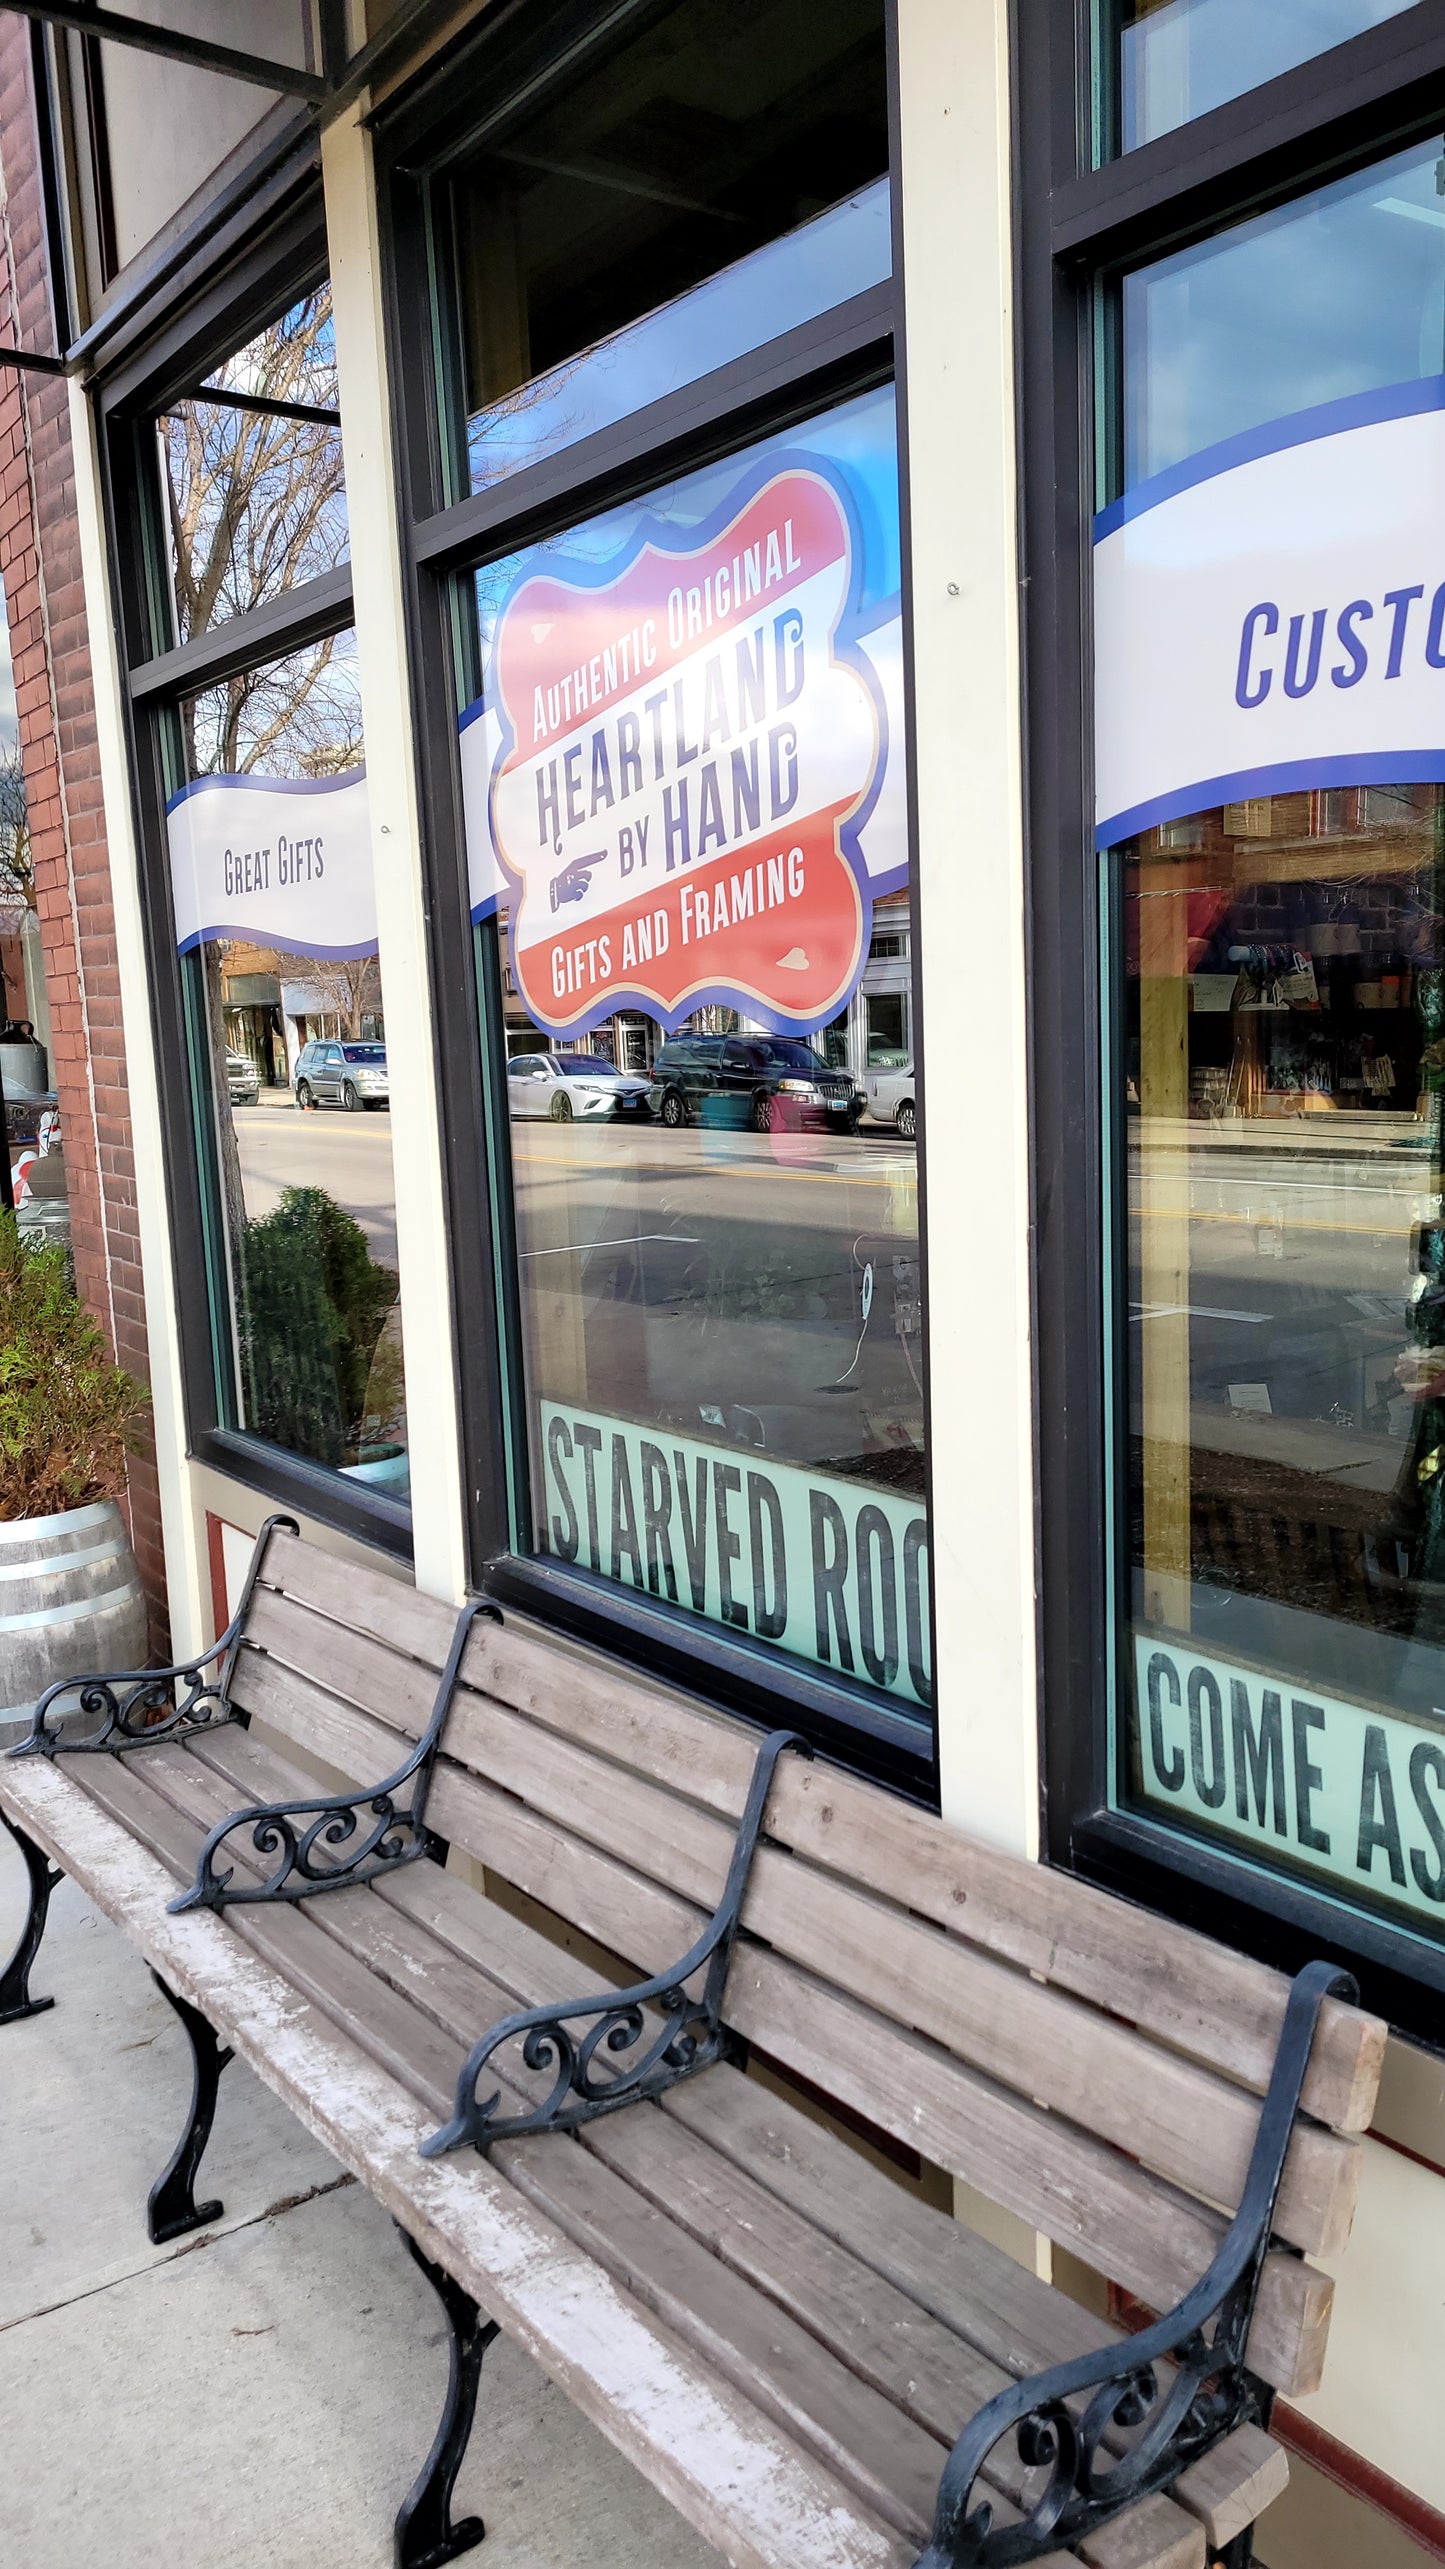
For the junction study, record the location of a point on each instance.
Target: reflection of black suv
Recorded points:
(770, 1081)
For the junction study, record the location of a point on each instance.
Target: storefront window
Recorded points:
(1271, 655)
(1170, 60)
(730, 170)
(271, 867)
(685, 795)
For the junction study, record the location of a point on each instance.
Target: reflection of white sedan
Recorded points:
(889, 1089)
(562, 1085)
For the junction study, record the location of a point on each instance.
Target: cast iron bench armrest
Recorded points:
(1061, 2418)
(132, 1704)
(691, 2037)
(325, 1841)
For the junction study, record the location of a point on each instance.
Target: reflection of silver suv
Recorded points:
(349, 1075)
(242, 1083)
(888, 1085)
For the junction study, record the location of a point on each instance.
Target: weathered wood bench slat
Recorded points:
(705, 2445)
(1081, 2192)
(1175, 2116)
(1092, 2070)
(330, 1953)
(932, 2374)
(894, 2468)
(1167, 1981)
(1170, 1982)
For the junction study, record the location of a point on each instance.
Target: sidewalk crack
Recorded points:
(187, 2247)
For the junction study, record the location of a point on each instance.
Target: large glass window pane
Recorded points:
(1170, 60)
(1339, 292)
(289, 1056)
(728, 166)
(684, 769)
(252, 483)
(1282, 1085)
(1275, 914)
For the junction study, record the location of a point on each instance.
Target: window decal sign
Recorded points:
(274, 861)
(1350, 1794)
(835, 1571)
(678, 780)
(1270, 614)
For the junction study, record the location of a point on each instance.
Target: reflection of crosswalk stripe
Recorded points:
(1189, 1311)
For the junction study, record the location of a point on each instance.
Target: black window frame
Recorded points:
(192, 330)
(1077, 224)
(846, 351)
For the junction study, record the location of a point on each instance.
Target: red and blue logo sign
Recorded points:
(689, 747)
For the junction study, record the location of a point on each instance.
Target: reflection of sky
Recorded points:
(791, 281)
(1341, 292)
(1191, 55)
(859, 439)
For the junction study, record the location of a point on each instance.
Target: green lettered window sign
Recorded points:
(832, 1570)
(1345, 1791)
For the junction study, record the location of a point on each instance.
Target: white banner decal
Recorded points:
(1346, 1791)
(273, 861)
(1270, 615)
(833, 1570)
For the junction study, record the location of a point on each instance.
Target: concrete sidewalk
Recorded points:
(266, 2391)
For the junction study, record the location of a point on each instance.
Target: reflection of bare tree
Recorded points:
(256, 505)
(17, 865)
(491, 433)
(347, 987)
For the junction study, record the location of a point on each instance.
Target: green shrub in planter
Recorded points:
(67, 1413)
(315, 1304)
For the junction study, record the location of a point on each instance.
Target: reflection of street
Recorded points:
(761, 1289)
(348, 1155)
(1274, 1278)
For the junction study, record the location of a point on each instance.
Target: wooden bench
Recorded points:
(820, 2368)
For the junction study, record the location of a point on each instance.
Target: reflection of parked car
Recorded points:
(349, 1075)
(562, 1085)
(773, 1080)
(242, 1083)
(889, 1088)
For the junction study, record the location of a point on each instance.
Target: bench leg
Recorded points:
(15, 1998)
(173, 2209)
(1238, 2554)
(425, 2533)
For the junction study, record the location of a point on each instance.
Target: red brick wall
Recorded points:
(40, 568)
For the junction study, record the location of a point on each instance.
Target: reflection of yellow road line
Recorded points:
(1273, 1221)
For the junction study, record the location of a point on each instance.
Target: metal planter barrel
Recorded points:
(71, 1601)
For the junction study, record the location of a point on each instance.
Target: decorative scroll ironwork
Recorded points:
(599, 2071)
(142, 1707)
(298, 1848)
(1168, 2394)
